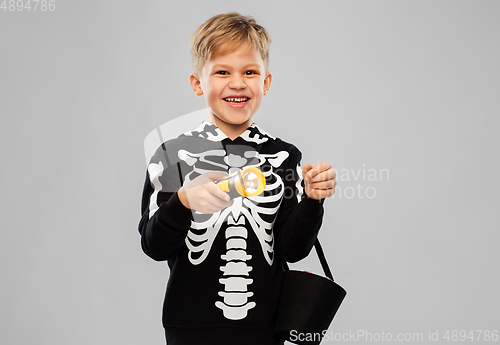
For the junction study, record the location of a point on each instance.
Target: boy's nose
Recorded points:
(237, 82)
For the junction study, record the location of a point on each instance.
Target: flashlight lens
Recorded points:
(250, 182)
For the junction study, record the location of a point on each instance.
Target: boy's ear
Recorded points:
(195, 84)
(267, 82)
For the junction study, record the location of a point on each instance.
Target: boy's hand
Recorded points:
(203, 195)
(319, 180)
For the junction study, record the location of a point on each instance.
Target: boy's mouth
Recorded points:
(237, 100)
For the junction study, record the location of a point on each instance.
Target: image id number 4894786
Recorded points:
(28, 5)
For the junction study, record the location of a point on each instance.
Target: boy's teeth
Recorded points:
(236, 99)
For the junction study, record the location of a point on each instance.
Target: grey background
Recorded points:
(408, 86)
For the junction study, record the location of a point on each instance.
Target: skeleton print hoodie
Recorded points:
(226, 267)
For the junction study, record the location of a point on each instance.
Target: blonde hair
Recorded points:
(225, 33)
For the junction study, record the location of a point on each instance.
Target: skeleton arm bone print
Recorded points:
(167, 224)
(165, 220)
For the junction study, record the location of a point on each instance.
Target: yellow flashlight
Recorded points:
(248, 182)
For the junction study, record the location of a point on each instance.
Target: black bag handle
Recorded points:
(322, 260)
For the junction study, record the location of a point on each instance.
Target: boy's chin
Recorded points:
(233, 121)
(236, 123)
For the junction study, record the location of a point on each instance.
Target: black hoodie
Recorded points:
(226, 267)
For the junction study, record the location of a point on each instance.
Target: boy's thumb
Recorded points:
(305, 170)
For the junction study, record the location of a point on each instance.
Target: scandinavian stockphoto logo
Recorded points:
(359, 183)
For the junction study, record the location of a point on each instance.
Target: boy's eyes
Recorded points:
(225, 72)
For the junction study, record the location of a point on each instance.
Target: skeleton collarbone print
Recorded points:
(223, 266)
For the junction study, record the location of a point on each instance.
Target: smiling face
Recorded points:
(233, 85)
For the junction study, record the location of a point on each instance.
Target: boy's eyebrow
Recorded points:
(227, 66)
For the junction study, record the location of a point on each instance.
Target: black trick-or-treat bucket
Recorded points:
(308, 303)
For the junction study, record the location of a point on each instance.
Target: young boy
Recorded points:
(225, 256)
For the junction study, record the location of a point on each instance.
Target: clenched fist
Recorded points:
(319, 180)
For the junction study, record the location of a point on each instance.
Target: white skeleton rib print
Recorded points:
(236, 272)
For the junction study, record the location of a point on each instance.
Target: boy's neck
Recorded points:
(230, 130)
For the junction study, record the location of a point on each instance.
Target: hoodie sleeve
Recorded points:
(299, 217)
(165, 221)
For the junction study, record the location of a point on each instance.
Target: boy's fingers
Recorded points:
(312, 172)
(318, 169)
(209, 202)
(204, 178)
(219, 204)
(307, 167)
(323, 184)
(327, 175)
(215, 190)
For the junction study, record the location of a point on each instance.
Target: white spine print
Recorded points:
(236, 305)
